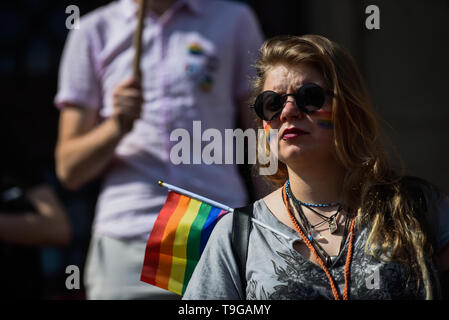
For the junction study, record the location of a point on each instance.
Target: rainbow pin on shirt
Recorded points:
(206, 83)
(195, 49)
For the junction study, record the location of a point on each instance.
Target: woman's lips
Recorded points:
(291, 133)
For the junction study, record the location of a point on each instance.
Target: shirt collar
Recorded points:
(129, 7)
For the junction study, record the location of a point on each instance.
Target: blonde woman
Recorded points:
(343, 224)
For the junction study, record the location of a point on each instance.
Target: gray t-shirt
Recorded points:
(275, 270)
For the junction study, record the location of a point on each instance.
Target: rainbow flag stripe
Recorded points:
(268, 132)
(177, 240)
(324, 119)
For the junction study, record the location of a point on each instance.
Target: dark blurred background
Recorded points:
(405, 64)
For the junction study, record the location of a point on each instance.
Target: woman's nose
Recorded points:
(290, 110)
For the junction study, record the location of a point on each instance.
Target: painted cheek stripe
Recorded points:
(267, 132)
(324, 119)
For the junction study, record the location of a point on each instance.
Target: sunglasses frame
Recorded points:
(284, 97)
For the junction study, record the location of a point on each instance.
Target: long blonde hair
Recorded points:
(392, 204)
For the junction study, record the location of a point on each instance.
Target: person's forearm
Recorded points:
(81, 159)
(30, 229)
(18, 229)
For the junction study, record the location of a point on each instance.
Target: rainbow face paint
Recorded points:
(267, 129)
(324, 119)
(267, 132)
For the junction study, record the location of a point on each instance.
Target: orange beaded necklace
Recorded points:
(321, 263)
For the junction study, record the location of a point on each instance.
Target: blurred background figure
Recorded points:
(31, 216)
(33, 35)
(196, 65)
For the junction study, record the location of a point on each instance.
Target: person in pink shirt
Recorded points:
(196, 63)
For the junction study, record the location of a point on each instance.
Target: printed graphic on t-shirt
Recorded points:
(297, 278)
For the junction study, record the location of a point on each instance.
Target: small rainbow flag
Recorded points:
(177, 240)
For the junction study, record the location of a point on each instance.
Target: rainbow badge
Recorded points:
(195, 48)
(206, 83)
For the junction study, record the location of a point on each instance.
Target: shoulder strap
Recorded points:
(241, 228)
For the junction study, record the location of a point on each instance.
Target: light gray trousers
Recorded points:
(113, 269)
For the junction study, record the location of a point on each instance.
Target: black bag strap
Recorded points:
(241, 228)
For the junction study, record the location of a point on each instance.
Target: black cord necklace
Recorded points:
(331, 221)
(305, 228)
(322, 205)
(310, 231)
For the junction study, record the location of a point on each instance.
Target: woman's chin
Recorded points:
(292, 154)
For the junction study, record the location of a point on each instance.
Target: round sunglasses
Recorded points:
(309, 98)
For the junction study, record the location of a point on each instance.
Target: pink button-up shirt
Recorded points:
(196, 65)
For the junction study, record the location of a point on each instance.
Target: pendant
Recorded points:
(333, 225)
(314, 235)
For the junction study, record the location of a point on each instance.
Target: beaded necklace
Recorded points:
(317, 256)
(322, 205)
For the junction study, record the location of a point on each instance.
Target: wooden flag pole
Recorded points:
(137, 40)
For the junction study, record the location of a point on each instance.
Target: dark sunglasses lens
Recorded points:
(268, 104)
(311, 97)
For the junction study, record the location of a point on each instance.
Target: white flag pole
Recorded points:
(216, 204)
(195, 196)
